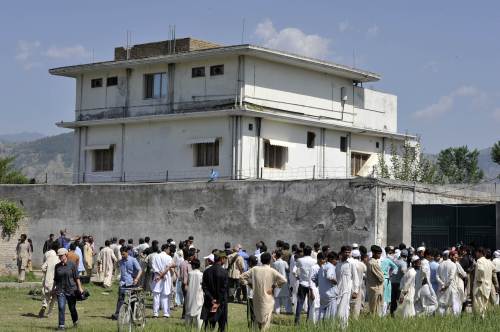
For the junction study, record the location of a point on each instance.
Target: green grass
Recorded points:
(30, 276)
(18, 312)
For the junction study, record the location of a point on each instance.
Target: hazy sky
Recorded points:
(441, 58)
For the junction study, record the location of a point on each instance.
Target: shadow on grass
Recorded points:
(31, 315)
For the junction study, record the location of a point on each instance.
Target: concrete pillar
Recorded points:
(399, 218)
(498, 224)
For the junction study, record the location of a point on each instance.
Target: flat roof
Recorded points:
(327, 67)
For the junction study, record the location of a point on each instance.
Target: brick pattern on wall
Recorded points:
(8, 264)
(162, 48)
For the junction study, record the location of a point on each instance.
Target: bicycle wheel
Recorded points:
(124, 318)
(139, 314)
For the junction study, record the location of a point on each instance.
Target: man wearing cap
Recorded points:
(235, 268)
(215, 289)
(375, 282)
(407, 289)
(397, 277)
(357, 303)
(66, 283)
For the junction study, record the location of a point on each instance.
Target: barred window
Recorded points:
(103, 160)
(358, 160)
(274, 155)
(206, 154)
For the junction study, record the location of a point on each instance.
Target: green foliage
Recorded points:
(8, 174)
(407, 164)
(10, 216)
(495, 152)
(459, 165)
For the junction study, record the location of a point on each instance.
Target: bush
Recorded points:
(10, 216)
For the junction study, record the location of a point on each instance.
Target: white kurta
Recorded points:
(160, 263)
(407, 308)
(448, 296)
(194, 295)
(108, 260)
(347, 283)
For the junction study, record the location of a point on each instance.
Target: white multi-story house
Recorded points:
(181, 109)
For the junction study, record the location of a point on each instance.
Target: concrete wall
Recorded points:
(333, 212)
(245, 212)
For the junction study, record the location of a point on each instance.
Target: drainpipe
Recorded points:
(258, 124)
(348, 155)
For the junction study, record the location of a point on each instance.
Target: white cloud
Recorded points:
(446, 103)
(293, 40)
(344, 26)
(77, 51)
(26, 52)
(373, 31)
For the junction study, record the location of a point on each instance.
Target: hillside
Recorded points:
(49, 155)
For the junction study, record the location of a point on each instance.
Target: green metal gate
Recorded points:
(441, 226)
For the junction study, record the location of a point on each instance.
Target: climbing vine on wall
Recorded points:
(10, 216)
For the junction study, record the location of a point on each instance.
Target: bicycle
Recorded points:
(132, 312)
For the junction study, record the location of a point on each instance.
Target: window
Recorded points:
(96, 83)
(155, 85)
(343, 144)
(198, 72)
(310, 139)
(216, 70)
(250, 126)
(274, 155)
(357, 162)
(112, 81)
(103, 160)
(206, 154)
(377, 145)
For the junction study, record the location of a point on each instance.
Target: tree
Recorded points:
(10, 175)
(10, 216)
(459, 165)
(495, 152)
(408, 164)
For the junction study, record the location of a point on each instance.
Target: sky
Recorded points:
(441, 58)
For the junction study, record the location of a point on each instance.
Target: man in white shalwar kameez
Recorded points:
(447, 277)
(161, 286)
(327, 286)
(194, 296)
(263, 280)
(407, 287)
(107, 263)
(347, 284)
(314, 297)
(48, 267)
(282, 294)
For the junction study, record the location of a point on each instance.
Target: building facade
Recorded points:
(185, 109)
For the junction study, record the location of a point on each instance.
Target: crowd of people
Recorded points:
(297, 279)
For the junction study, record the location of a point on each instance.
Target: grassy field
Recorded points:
(18, 312)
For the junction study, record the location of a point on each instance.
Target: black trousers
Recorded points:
(220, 318)
(395, 293)
(302, 293)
